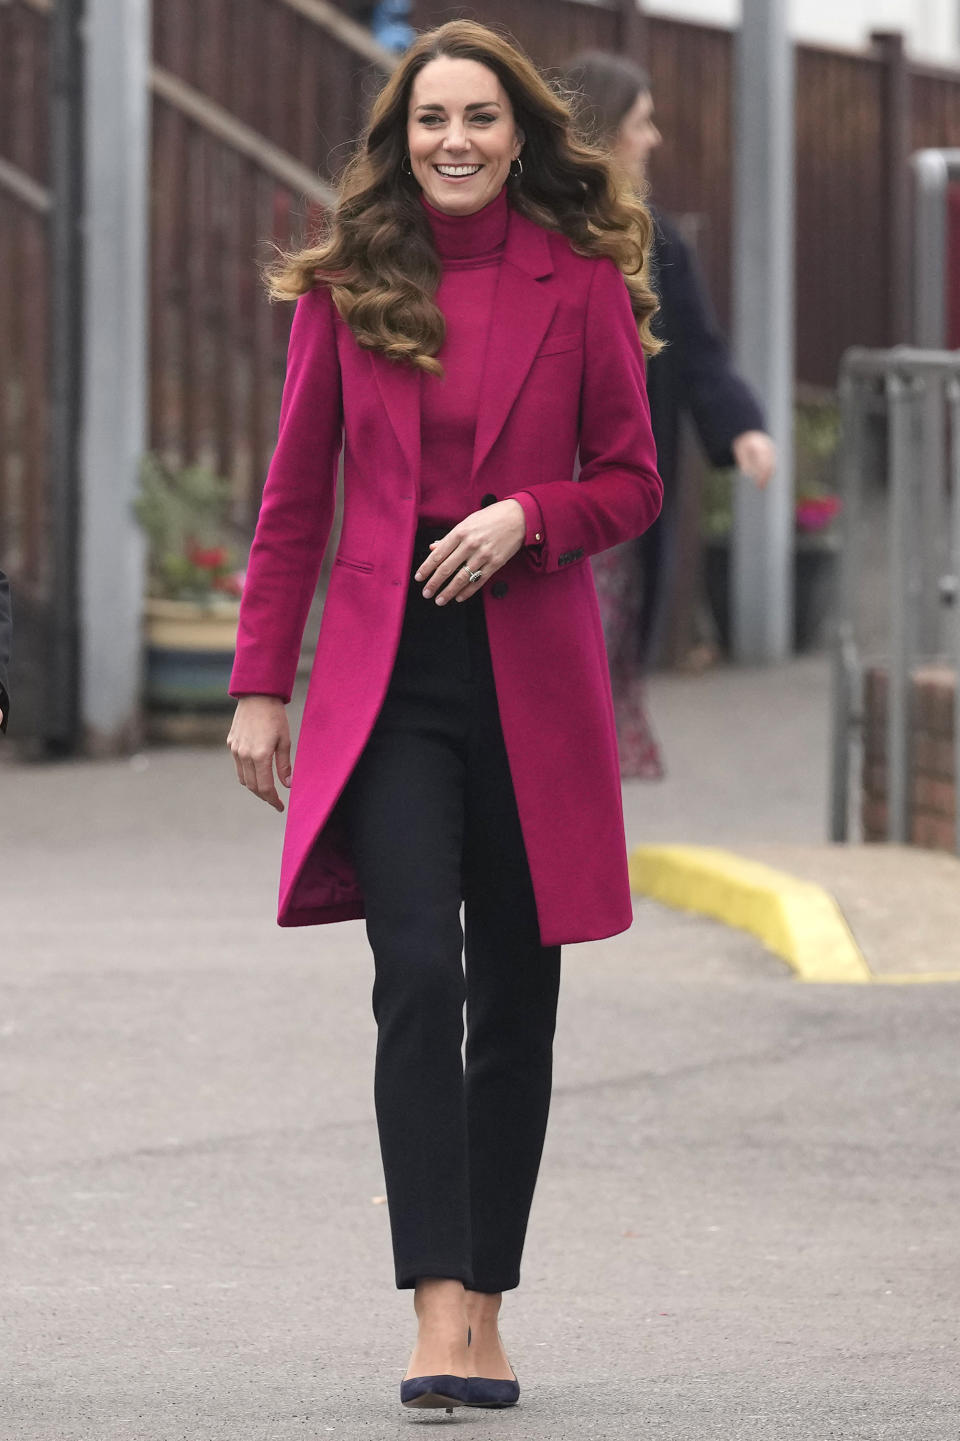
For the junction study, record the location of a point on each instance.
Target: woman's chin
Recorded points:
(458, 197)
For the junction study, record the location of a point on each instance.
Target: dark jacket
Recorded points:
(694, 373)
(6, 629)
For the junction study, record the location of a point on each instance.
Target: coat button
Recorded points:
(489, 499)
(499, 589)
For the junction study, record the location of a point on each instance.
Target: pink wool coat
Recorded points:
(564, 372)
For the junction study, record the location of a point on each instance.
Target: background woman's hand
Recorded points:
(484, 542)
(259, 737)
(756, 455)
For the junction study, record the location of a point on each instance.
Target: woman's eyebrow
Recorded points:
(474, 105)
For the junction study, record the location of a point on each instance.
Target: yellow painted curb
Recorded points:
(796, 920)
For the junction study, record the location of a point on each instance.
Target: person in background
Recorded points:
(693, 372)
(6, 629)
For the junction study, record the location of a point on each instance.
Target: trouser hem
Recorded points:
(494, 1287)
(430, 1271)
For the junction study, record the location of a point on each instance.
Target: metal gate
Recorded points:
(916, 395)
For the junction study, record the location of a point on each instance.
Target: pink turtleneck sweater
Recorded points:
(470, 248)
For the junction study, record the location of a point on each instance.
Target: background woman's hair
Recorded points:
(607, 87)
(377, 252)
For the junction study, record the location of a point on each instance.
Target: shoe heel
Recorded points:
(434, 1392)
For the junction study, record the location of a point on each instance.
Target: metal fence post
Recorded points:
(115, 368)
(901, 609)
(763, 243)
(846, 668)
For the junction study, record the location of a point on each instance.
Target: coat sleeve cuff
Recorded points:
(536, 533)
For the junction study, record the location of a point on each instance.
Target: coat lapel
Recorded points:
(400, 388)
(522, 311)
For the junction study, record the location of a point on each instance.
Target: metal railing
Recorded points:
(919, 393)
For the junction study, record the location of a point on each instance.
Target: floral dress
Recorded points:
(617, 576)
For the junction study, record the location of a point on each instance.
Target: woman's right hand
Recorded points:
(259, 736)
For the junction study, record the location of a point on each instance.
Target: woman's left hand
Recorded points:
(756, 456)
(483, 542)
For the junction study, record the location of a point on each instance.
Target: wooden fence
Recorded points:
(256, 103)
(248, 101)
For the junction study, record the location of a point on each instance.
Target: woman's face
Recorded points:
(461, 134)
(637, 137)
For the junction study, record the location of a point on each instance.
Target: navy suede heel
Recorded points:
(495, 1394)
(434, 1391)
(483, 1391)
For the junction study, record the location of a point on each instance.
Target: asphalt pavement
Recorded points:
(746, 1220)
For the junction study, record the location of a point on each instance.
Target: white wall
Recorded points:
(931, 27)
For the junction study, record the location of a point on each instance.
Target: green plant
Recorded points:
(185, 515)
(816, 505)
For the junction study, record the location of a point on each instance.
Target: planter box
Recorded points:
(189, 650)
(816, 573)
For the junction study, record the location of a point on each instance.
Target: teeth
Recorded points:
(458, 169)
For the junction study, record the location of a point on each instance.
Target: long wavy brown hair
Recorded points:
(376, 251)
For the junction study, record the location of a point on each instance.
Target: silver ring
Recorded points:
(472, 575)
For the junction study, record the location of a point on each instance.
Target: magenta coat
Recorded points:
(564, 371)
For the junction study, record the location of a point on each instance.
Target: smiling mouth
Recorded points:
(457, 172)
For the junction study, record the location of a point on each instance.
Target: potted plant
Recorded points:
(194, 584)
(816, 541)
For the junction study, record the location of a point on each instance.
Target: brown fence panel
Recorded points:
(217, 345)
(842, 250)
(286, 77)
(549, 30)
(24, 342)
(936, 109)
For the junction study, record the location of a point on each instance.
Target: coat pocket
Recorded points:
(557, 344)
(344, 560)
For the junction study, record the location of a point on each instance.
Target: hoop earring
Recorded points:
(518, 173)
(405, 165)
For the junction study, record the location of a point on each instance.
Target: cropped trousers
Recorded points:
(432, 821)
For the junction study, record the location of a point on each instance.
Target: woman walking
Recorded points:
(477, 312)
(694, 374)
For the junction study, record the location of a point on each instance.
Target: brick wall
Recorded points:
(933, 791)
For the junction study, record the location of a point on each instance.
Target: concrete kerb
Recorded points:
(796, 920)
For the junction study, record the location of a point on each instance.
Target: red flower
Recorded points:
(815, 513)
(208, 558)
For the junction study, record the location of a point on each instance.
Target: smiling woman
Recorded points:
(474, 319)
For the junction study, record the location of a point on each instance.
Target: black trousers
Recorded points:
(432, 820)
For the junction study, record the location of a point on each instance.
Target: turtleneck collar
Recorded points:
(469, 237)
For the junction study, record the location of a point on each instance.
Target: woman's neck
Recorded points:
(467, 237)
